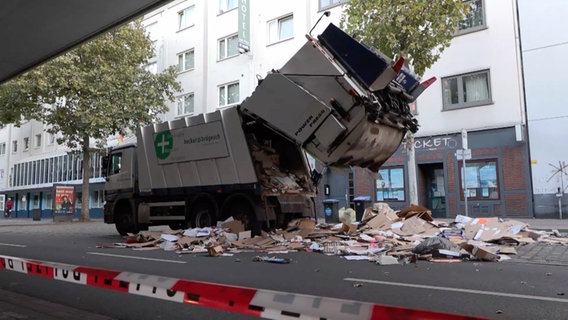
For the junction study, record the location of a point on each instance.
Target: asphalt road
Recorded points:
(505, 290)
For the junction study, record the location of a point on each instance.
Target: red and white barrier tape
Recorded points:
(255, 302)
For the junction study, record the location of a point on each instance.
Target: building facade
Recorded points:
(222, 48)
(480, 91)
(544, 46)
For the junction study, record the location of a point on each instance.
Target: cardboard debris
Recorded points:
(414, 210)
(384, 236)
(235, 226)
(215, 251)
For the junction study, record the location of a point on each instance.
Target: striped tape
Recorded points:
(255, 302)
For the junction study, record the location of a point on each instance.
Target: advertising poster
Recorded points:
(64, 200)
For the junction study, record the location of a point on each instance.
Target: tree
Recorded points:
(418, 30)
(97, 90)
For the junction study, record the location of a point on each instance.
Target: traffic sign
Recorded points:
(463, 153)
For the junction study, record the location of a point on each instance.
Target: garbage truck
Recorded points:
(336, 99)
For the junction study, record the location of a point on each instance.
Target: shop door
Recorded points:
(435, 189)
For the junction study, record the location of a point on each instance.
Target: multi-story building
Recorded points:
(222, 48)
(479, 92)
(544, 44)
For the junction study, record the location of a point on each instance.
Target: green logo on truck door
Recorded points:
(163, 142)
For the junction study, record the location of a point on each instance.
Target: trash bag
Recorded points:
(347, 215)
(435, 243)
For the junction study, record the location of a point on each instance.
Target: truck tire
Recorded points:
(203, 214)
(124, 220)
(242, 210)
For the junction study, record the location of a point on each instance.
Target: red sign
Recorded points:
(64, 200)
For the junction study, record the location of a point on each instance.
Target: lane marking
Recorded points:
(473, 291)
(131, 257)
(13, 245)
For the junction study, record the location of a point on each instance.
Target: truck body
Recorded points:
(335, 99)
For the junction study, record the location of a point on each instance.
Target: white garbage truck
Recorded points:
(336, 99)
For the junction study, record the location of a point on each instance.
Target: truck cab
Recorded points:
(121, 181)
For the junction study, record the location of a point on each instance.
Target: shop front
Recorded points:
(495, 182)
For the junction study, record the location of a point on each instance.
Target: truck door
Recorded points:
(120, 177)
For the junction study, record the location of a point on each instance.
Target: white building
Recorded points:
(479, 89)
(544, 44)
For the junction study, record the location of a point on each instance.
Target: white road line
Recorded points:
(131, 257)
(13, 245)
(489, 293)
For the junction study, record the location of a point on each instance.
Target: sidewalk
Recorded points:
(31, 222)
(18, 306)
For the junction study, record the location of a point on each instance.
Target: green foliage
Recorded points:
(96, 90)
(418, 30)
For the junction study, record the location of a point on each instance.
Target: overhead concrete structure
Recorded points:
(34, 31)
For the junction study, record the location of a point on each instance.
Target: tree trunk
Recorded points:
(85, 214)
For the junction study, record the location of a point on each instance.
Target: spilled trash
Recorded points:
(383, 236)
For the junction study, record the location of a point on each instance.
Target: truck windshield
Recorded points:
(115, 163)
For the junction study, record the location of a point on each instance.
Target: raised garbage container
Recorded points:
(36, 214)
(361, 203)
(331, 210)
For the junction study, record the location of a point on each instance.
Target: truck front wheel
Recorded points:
(124, 221)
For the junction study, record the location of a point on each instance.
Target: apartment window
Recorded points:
(38, 140)
(151, 31)
(280, 29)
(186, 61)
(152, 67)
(2, 148)
(228, 94)
(50, 138)
(185, 105)
(228, 47)
(474, 19)
(226, 5)
(186, 18)
(481, 180)
(26, 143)
(14, 146)
(466, 90)
(325, 4)
(390, 186)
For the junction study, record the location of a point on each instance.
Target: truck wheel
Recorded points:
(203, 215)
(125, 224)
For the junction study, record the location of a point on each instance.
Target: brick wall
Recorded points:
(513, 163)
(516, 204)
(364, 183)
(450, 172)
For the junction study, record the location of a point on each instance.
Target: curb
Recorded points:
(254, 302)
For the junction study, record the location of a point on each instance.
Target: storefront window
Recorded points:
(390, 187)
(480, 180)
